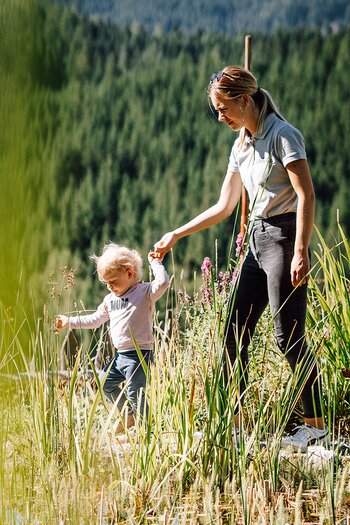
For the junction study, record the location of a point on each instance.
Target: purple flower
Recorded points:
(234, 275)
(239, 244)
(206, 266)
(180, 294)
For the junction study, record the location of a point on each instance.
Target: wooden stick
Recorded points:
(247, 52)
(244, 199)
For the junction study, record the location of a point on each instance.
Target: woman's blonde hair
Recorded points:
(233, 81)
(115, 257)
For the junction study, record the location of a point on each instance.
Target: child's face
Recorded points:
(119, 281)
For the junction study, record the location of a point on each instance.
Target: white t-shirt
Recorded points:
(130, 315)
(261, 162)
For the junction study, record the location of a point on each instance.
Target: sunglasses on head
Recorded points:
(218, 76)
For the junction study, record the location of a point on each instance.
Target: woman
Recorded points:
(269, 158)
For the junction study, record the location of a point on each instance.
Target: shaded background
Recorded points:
(106, 132)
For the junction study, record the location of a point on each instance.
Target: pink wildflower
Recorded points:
(234, 276)
(206, 266)
(239, 244)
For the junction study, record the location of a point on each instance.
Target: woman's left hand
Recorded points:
(300, 268)
(300, 179)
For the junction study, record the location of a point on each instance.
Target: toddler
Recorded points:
(129, 308)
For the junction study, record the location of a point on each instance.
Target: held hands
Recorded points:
(299, 270)
(154, 256)
(61, 322)
(165, 244)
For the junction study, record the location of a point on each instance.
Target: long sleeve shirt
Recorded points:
(131, 314)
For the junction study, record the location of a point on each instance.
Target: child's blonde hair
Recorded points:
(115, 257)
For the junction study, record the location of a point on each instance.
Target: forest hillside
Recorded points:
(107, 135)
(220, 16)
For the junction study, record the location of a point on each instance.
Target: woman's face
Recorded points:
(232, 111)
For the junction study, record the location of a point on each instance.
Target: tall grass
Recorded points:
(329, 321)
(61, 461)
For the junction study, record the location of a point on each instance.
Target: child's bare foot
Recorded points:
(122, 439)
(124, 424)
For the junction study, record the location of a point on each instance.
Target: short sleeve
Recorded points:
(233, 165)
(290, 145)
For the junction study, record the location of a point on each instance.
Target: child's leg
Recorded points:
(134, 373)
(111, 384)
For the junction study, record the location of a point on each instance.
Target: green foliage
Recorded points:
(106, 135)
(329, 318)
(110, 136)
(61, 458)
(23, 137)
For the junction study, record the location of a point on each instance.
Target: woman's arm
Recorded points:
(229, 196)
(300, 178)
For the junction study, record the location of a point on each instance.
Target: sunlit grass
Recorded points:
(61, 461)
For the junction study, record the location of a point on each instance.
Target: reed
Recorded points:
(61, 461)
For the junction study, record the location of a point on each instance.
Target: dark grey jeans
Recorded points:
(126, 367)
(265, 278)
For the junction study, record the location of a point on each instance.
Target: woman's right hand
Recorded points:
(165, 244)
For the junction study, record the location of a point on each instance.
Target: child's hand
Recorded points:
(61, 322)
(166, 243)
(155, 256)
